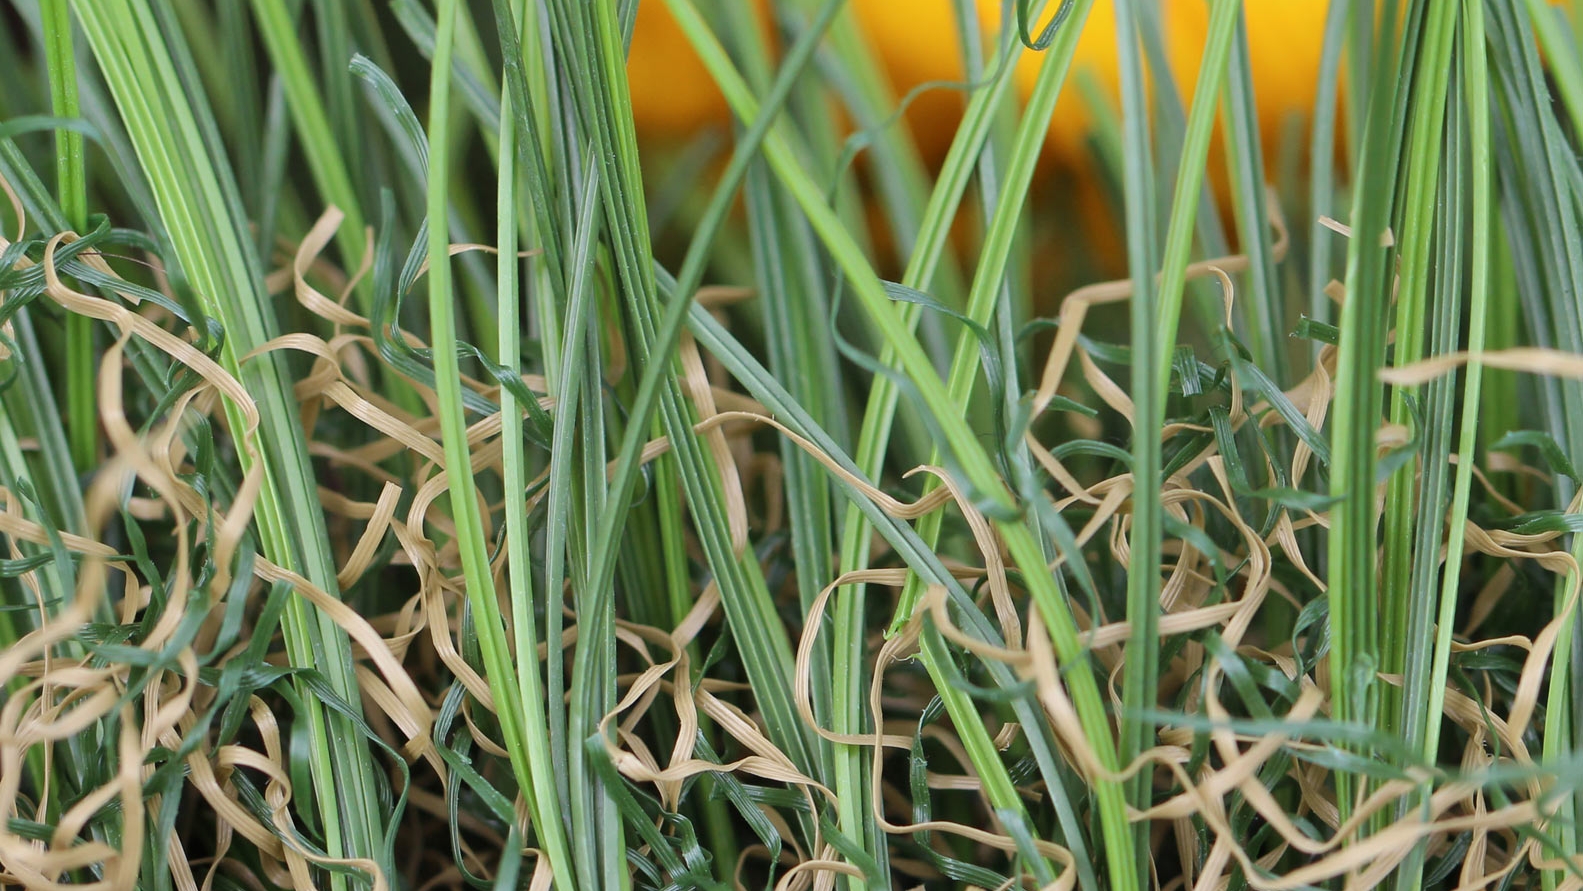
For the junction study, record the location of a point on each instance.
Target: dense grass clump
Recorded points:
(591, 444)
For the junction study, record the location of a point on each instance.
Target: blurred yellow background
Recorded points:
(673, 95)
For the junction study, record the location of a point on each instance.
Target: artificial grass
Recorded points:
(775, 508)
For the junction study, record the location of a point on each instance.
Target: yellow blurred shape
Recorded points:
(916, 41)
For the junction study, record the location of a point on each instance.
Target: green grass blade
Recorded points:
(985, 300)
(326, 159)
(535, 730)
(1354, 655)
(72, 182)
(1407, 593)
(1322, 160)
(1146, 325)
(1155, 318)
(975, 464)
(197, 205)
(1474, 90)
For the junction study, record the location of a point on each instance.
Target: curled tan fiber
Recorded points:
(1075, 306)
(406, 657)
(155, 457)
(1532, 360)
(890, 653)
(344, 616)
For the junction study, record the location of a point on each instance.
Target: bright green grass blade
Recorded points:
(1561, 54)
(334, 33)
(1405, 592)
(1322, 191)
(880, 413)
(1261, 310)
(1143, 578)
(977, 469)
(316, 135)
(71, 181)
(197, 205)
(1167, 128)
(1544, 242)
(519, 705)
(1361, 56)
(565, 514)
(716, 216)
(548, 819)
(791, 283)
(765, 651)
(1354, 658)
(593, 44)
(1155, 318)
(1433, 611)
(985, 300)
(918, 555)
